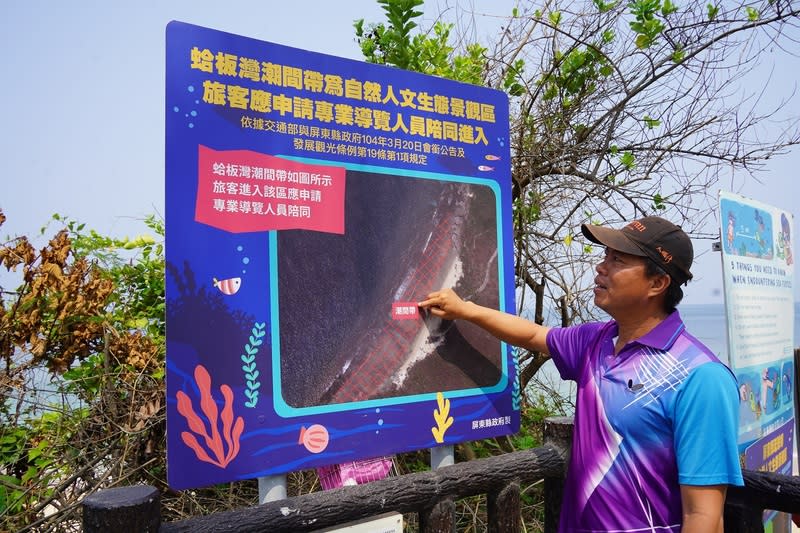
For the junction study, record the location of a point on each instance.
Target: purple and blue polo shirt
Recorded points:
(660, 414)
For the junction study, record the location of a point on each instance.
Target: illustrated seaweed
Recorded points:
(249, 366)
(442, 417)
(516, 396)
(231, 431)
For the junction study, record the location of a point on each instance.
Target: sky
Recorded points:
(82, 105)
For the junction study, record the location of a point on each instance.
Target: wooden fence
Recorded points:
(431, 495)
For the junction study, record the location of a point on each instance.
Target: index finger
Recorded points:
(429, 300)
(425, 303)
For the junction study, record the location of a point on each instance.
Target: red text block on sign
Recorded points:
(405, 311)
(242, 191)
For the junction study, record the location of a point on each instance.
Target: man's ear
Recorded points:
(659, 284)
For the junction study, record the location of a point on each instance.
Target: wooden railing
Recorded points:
(431, 495)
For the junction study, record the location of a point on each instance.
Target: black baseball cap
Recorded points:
(653, 237)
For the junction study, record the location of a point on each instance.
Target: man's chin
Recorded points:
(601, 303)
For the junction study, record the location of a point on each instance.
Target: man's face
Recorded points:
(621, 285)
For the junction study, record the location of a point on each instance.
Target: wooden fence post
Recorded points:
(442, 516)
(557, 433)
(740, 518)
(135, 509)
(503, 509)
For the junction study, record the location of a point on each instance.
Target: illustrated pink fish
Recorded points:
(315, 438)
(228, 286)
(485, 168)
(490, 157)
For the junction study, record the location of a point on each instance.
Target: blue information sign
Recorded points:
(312, 201)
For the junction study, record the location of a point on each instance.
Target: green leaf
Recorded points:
(668, 8)
(752, 14)
(604, 7)
(651, 122)
(712, 11)
(137, 323)
(359, 27)
(34, 453)
(628, 160)
(516, 90)
(645, 23)
(555, 17)
(31, 473)
(551, 92)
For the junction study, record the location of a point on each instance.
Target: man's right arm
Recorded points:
(446, 304)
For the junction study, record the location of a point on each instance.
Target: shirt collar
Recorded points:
(664, 335)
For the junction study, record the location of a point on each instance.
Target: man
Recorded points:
(656, 413)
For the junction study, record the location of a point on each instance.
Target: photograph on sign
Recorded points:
(404, 237)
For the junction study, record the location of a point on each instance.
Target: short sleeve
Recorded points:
(706, 427)
(569, 347)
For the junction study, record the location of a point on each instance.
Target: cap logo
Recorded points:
(665, 255)
(638, 226)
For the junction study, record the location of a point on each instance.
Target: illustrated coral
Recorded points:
(249, 363)
(214, 451)
(442, 417)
